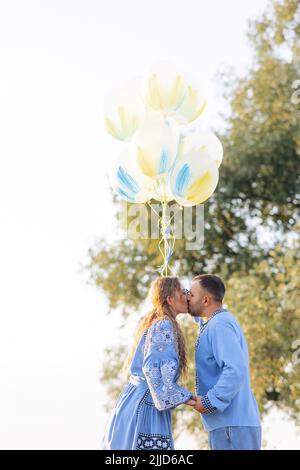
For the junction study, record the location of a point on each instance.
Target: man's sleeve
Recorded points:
(230, 358)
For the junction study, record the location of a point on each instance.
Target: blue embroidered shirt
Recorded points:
(222, 373)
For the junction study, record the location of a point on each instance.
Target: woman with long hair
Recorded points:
(142, 415)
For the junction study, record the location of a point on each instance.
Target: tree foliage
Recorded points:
(257, 198)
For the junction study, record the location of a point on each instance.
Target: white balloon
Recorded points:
(193, 179)
(164, 87)
(124, 111)
(162, 189)
(154, 146)
(194, 102)
(128, 182)
(204, 142)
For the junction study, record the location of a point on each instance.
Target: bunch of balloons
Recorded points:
(160, 159)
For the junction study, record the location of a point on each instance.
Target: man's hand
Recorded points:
(199, 407)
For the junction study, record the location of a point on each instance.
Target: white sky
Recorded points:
(59, 59)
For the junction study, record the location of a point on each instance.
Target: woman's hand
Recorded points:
(191, 402)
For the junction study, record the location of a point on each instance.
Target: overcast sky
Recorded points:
(59, 60)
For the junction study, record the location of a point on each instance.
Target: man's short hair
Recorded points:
(213, 284)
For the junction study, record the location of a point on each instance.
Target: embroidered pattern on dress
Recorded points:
(161, 375)
(153, 441)
(146, 400)
(143, 400)
(160, 336)
(169, 394)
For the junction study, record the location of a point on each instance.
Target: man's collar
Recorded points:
(218, 310)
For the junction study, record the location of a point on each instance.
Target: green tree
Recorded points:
(258, 193)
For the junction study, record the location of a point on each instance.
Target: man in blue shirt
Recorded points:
(225, 400)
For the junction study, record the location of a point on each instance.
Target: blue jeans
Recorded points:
(235, 438)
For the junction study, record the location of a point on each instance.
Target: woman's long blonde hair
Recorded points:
(161, 289)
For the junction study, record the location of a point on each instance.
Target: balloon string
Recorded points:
(167, 239)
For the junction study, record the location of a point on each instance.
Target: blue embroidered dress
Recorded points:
(142, 415)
